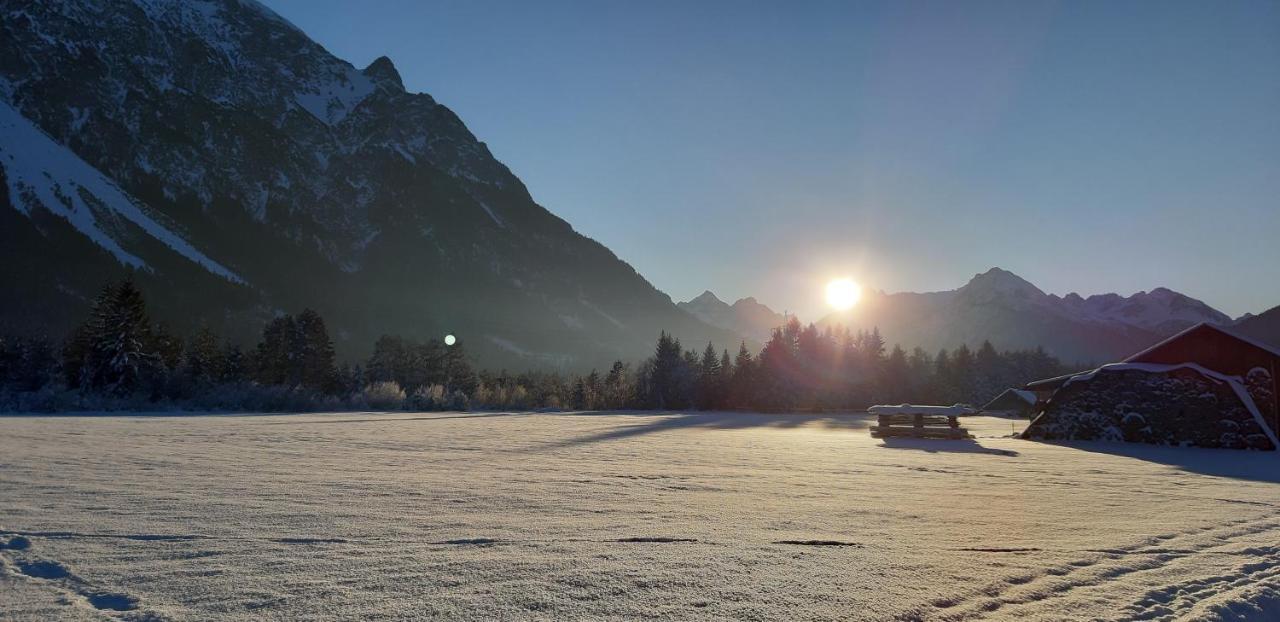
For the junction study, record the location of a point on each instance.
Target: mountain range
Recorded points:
(1002, 307)
(1263, 327)
(746, 317)
(239, 170)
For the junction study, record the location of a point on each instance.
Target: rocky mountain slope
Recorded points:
(1264, 327)
(242, 170)
(746, 317)
(1012, 313)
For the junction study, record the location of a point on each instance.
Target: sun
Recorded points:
(842, 294)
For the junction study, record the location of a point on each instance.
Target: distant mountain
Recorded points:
(746, 317)
(242, 170)
(1264, 327)
(1012, 313)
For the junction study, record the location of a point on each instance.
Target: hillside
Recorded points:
(242, 171)
(1264, 327)
(1013, 313)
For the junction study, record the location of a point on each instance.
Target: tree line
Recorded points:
(833, 368)
(119, 359)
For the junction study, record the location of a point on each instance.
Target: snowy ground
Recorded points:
(612, 516)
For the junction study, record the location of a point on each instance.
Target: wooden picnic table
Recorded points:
(917, 422)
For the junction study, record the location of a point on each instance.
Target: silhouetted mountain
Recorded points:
(242, 171)
(1012, 313)
(1264, 327)
(746, 317)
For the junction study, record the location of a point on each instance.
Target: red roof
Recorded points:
(1214, 347)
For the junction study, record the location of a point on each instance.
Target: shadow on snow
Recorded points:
(713, 420)
(1262, 466)
(963, 445)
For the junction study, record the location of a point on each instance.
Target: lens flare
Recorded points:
(842, 294)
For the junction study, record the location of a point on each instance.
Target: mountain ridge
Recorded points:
(1002, 307)
(314, 183)
(746, 316)
(1012, 313)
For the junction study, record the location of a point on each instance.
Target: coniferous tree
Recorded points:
(203, 360)
(943, 390)
(708, 385)
(27, 364)
(169, 348)
(920, 366)
(742, 384)
(387, 361)
(988, 374)
(315, 356)
(776, 373)
(591, 386)
(962, 374)
(235, 366)
(665, 373)
(121, 353)
(579, 399)
(274, 356)
(617, 389)
(895, 377)
(458, 375)
(725, 384)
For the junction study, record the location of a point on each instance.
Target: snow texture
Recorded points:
(579, 516)
(912, 409)
(43, 173)
(332, 100)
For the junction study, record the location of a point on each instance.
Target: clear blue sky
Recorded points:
(760, 148)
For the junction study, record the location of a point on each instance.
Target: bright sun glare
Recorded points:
(842, 294)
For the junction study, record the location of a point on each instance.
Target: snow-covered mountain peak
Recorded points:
(383, 71)
(180, 131)
(746, 316)
(706, 297)
(996, 286)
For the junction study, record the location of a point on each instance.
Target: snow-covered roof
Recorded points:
(1231, 381)
(1230, 333)
(1050, 383)
(1026, 396)
(913, 409)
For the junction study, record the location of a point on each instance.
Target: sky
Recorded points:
(761, 149)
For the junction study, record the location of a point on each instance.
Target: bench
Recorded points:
(918, 422)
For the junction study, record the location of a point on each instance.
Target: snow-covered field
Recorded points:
(619, 516)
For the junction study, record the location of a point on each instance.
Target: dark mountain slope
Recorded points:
(242, 170)
(1264, 327)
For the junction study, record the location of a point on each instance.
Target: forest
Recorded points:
(119, 359)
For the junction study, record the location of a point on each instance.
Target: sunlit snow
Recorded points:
(41, 170)
(679, 516)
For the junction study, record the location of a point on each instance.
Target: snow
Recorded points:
(1231, 381)
(509, 346)
(1029, 397)
(677, 516)
(333, 99)
(912, 409)
(1155, 310)
(592, 306)
(488, 210)
(39, 168)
